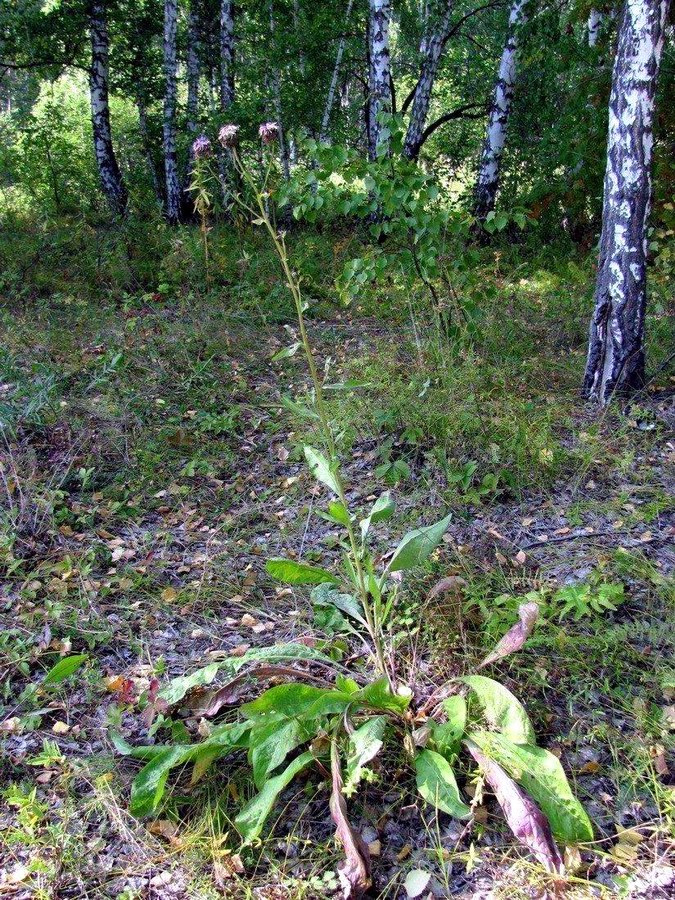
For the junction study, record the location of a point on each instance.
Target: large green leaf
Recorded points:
(437, 785)
(448, 735)
(64, 668)
(501, 709)
(541, 775)
(321, 469)
(148, 787)
(251, 819)
(378, 695)
(178, 687)
(326, 595)
(417, 545)
(382, 509)
(291, 572)
(270, 745)
(364, 744)
(288, 701)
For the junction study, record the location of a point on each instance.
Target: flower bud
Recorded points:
(202, 148)
(269, 132)
(229, 136)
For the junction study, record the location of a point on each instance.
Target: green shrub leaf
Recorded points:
(364, 744)
(321, 469)
(417, 545)
(291, 572)
(251, 819)
(541, 775)
(501, 709)
(64, 668)
(437, 785)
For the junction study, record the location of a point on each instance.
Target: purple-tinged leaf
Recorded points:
(515, 637)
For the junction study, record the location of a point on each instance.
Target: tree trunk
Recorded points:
(330, 99)
(487, 183)
(284, 159)
(226, 54)
(616, 360)
(593, 27)
(193, 72)
(108, 169)
(173, 189)
(431, 49)
(379, 74)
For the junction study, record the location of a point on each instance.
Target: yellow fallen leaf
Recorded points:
(60, 728)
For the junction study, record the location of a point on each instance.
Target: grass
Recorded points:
(149, 468)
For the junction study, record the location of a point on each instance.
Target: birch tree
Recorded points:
(330, 99)
(379, 100)
(431, 49)
(106, 161)
(487, 183)
(226, 54)
(593, 27)
(193, 72)
(616, 359)
(173, 188)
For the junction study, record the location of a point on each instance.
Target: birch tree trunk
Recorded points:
(330, 99)
(593, 27)
(616, 360)
(106, 161)
(379, 74)
(173, 189)
(226, 54)
(193, 72)
(431, 49)
(487, 183)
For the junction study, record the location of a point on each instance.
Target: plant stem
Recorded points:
(293, 283)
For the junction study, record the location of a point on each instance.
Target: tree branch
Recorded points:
(462, 112)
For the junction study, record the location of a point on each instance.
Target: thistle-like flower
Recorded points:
(229, 136)
(269, 132)
(202, 148)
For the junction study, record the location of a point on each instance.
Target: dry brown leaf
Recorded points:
(515, 637)
(354, 871)
(520, 557)
(453, 583)
(60, 728)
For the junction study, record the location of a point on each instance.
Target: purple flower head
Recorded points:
(269, 132)
(202, 148)
(229, 136)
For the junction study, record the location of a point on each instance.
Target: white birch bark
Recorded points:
(431, 49)
(379, 74)
(593, 28)
(226, 54)
(487, 183)
(173, 190)
(616, 360)
(330, 99)
(193, 73)
(106, 161)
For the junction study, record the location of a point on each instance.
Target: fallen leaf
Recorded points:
(60, 728)
(452, 583)
(520, 557)
(515, 637)
(169, 594)
(17, 875)
(416, 882)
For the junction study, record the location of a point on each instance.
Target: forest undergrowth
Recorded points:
(152, 463)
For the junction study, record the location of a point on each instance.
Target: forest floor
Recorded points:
(149, 470)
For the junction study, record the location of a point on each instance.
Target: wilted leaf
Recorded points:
(516, 636)
(354, 871)
(451, 584)
(364, 745)
(542, 776)
(523, 816)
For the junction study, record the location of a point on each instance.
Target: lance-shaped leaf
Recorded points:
(64, 668)
(523, 816)
(354, 871)
(437, 784)
(291, 572)
(501, 709)
(382, 509)
(542, 776)
(364, 744)
(515, 637)
(321, 469)
(253, 816)
(417, 545)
